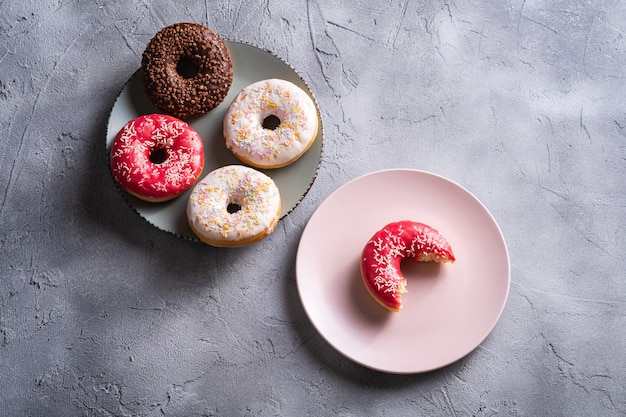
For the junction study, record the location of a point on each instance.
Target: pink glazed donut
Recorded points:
(156, 157)
(383, 253)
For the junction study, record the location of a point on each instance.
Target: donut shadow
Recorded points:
(137, 94)
(363, 302)
(217, 155)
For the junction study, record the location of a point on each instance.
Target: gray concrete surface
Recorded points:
(520, 101)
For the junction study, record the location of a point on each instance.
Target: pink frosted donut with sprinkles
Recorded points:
(270, 124)
(156, 157)
(234, 206)
(383, 253)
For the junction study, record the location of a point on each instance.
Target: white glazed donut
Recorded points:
(273, 146)
(234, 206)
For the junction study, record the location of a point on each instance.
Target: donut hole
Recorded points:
(233, 208)
(271, 122)
(186, 68)
(158, 156)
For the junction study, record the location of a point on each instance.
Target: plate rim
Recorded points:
(126, 196)
(484, 209)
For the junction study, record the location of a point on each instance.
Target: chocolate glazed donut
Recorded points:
(187, 70)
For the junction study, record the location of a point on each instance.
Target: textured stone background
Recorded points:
(520, 101)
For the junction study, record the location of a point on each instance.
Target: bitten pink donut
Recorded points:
(261, 144)
(380, 261)
(156, 157)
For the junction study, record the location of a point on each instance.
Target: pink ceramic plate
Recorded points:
(449, 309)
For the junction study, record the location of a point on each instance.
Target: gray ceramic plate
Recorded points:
(250, 64)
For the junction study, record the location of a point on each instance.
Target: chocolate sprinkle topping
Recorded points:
(174, 93)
